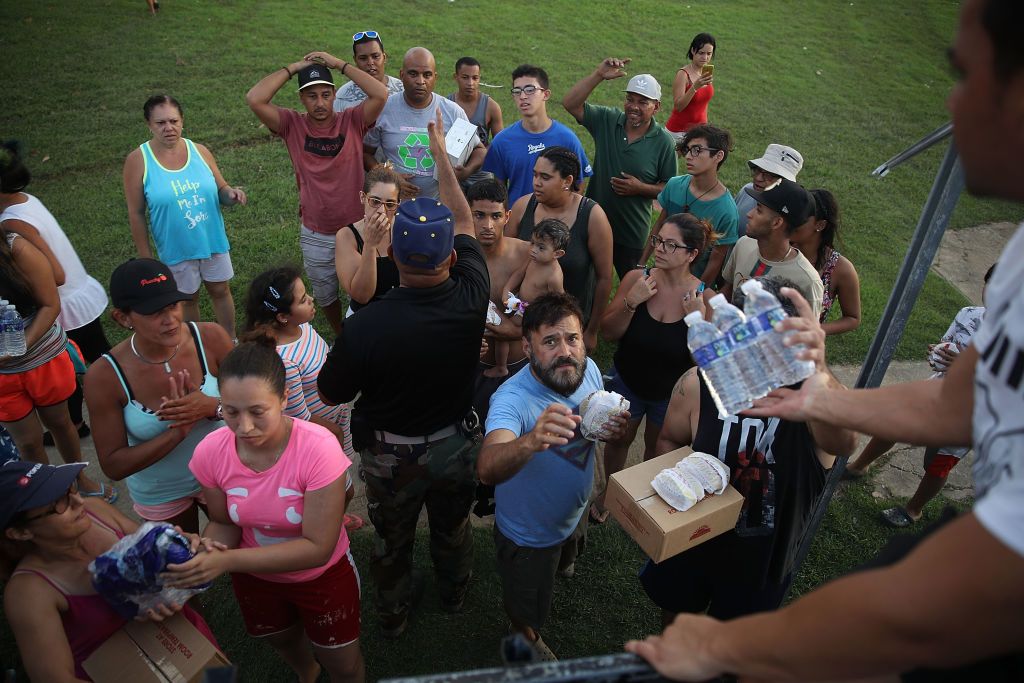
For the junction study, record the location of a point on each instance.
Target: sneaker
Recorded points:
(544, 653)
(568, 572)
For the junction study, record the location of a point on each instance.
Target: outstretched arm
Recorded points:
(259, 96)
(448, 184)
(607, 70)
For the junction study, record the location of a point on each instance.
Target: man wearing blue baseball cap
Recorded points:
(411, 359)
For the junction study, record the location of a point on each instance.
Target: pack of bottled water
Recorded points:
(12, 331)
(740, 354)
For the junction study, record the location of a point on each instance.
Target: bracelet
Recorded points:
(343, 67)
(218, 415)
(630, 309)
(290, 74)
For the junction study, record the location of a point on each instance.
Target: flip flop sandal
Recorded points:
(353, 522)
(897, 517)
(102, 494)
(598, 516)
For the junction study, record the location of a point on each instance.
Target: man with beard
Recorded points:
(401, 130)
(540, 464)
(326, 149)
(634, 156)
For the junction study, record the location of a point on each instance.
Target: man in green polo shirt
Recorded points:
(634, 156)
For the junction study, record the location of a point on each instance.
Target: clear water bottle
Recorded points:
(13, 332)
(763, 312)
(3, 337)
(714, 358)
(754, 368)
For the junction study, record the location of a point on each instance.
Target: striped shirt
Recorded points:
(303, 359)
(50, 345)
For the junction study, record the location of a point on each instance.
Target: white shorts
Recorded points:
(192, 273)
(318, 260)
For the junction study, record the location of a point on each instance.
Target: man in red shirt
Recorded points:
(326, 148)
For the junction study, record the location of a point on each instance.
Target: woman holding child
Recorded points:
(646, 319)
(587, 263)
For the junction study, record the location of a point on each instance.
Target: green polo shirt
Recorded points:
(652, 159)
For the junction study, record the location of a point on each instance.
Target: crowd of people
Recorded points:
(501, 268)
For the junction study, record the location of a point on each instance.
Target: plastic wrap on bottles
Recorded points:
(597, 409)
(128, 575)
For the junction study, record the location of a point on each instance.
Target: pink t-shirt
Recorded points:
(268, 505)
(328, 165)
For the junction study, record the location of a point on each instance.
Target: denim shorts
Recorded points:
(638, 407)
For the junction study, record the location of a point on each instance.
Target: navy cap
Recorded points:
(25, 485)
(424, 233)
(144, 285)
(788, 199)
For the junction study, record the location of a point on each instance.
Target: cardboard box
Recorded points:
(171, 651)
(660, 529)
(460, 140)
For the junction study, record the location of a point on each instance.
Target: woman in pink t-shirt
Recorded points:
(275, 487)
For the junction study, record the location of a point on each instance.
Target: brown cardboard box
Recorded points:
(171, 651)
(660, 529)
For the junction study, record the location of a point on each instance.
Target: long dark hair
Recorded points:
(271, 292)
(14, 286)
(14, 175)
(566, 163)
(256, 358)
(826, 208)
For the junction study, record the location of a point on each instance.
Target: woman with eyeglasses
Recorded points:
(646, 319)
(815, 239)
(365, 270)
(154, 396)
(692, 88)
(177, 184)
(587, 263)
(50, 535)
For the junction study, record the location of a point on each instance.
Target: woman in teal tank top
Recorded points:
(178, 182)
(155, 396)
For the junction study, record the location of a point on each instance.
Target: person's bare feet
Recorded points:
(496, 371)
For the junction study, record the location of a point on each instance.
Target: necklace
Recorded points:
(166, 363)
(686, 206)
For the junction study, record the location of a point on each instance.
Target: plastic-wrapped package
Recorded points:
(493, 317)
(597, 409)
(128, 575)
(686, 484)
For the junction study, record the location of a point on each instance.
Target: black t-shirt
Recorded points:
(413, 353)
(775, 467)
(652, 355)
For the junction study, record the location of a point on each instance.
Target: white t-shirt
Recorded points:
(999, 401)
(401, 132)
(350, 94)
(82, 298)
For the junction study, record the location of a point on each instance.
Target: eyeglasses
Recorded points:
(59, 506)
(364, 34)
(670, 247)
(527, 90)
(697, 149)
(376, 202)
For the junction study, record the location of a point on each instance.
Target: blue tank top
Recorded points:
(168, 478)
(184, 208)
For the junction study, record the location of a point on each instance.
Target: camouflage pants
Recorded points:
(400, 480)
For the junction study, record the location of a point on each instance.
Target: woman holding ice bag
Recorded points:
(275, 489)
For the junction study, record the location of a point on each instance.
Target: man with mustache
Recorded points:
(326, 149)
(540, 464)
(401, 130)
(368, 55)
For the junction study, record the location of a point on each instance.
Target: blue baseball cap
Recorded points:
(424, 233)
(25, 485)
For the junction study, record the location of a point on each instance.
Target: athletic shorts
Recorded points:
(164, 511)
(940, 464)
(327, 606)
(318, 260)
(192, 273)
(51, 383)
(638, 407)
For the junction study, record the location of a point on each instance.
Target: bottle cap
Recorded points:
(750, 286)
(692, 317)
(717, 300)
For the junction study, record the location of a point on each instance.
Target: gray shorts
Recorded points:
(318, 260)
(191, 273)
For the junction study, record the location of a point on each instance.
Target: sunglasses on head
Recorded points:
(364, 34)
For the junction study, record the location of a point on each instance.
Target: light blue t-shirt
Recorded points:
(541, 505)
(514, 151)
(720, 211)
(184, 208)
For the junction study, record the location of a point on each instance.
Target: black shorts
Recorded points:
(527, 579)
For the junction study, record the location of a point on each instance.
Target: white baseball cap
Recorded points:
(781, 160)
(646, 85)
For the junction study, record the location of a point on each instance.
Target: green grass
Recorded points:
(847, 84)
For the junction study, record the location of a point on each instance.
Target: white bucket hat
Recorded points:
(783, 161)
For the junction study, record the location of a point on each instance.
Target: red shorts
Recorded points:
(51, 383)
(327, 606)
(940, 465)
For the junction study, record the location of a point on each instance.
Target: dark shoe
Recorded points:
(83, 431)
(453, 605)
(568, 572)
(897, 517)
(393, 626)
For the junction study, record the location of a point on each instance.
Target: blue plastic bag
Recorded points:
(128, 575)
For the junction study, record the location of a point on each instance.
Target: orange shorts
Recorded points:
(49, 384)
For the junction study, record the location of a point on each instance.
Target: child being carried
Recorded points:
(539, 275)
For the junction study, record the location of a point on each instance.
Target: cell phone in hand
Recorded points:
(707, 70)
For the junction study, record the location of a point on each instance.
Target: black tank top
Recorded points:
(652, 355)
(775, 467)
(387, 273)
(578, 274)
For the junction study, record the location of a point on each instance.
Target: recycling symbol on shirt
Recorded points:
(415, 152)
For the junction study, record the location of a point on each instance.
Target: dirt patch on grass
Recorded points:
(965, 255)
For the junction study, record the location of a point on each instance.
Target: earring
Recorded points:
(565, 187)
(131, 327)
